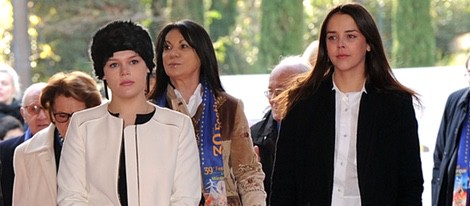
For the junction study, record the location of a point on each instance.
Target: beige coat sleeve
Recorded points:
(245, 166)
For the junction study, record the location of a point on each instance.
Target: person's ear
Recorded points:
(22, 112)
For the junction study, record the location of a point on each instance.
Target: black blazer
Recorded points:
(1, 193)
(388, 158)
(7, 149)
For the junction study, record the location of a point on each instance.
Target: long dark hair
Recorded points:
(198, 38)
(377, 68)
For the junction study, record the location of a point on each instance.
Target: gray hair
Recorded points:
(32, 87)
(298, 63)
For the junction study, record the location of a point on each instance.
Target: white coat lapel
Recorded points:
(48, 166)
(42, 146)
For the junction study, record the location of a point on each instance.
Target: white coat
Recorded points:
(35, 170)
(162, 160)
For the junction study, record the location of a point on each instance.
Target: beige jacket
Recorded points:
(162, 161)
(35, 170)
(243, 174)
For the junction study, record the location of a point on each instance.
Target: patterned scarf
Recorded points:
(210, 148)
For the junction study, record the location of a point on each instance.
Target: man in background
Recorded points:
(450, 175)
(264, 132)
(36, 119)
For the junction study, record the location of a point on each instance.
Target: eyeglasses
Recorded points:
(34, 109)
(273, 93)
(62, 117)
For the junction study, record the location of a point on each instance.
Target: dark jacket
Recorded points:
(445, 152)
(388, 158)
(264, 135)
(12, 109)
(7, 149)
(1, 193)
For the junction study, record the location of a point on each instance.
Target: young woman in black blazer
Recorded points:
(350, 135)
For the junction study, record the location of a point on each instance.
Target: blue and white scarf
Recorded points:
(210, 148)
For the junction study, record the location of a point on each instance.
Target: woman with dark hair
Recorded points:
(128, 151)
(188, 81)
(34, 165)
(349, 136)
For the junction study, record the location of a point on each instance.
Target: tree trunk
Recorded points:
(21, 44)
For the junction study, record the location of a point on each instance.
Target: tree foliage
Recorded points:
(156, 19)
(282, 29)
(413, 39)
(221, 20)
(187, 9)
(65, 29)
(6, 33)
(452, 30)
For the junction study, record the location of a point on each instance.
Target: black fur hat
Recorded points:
(119, 36)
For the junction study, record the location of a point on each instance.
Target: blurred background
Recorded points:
(39, 38)
(427, 42)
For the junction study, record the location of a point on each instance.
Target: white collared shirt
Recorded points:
(345, 180)
(194, 101)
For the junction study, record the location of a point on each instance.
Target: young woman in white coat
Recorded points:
(128, 151)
